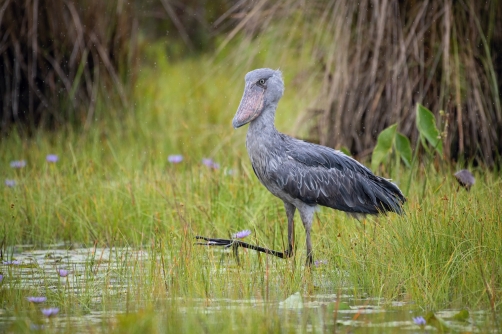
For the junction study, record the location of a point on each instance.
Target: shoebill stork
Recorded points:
(305, 175)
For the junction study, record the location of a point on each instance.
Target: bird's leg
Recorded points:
(290, 213)
(307, 214)
(310, 257)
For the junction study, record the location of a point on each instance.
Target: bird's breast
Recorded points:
(266, 162)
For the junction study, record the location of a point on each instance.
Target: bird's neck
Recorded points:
(263, 124)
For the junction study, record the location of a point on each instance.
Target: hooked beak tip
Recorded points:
(237, 124)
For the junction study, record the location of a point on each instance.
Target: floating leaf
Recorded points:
(463, 315)
(294, 301)
(426, 124)
(436, 322)
(403, 147)
(384, 146)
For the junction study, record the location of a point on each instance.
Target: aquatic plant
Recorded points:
(10, 183)
(63, 272)
(36, 300)
(241, 234)
(210, 163)
(175, 158)
(50, 312)
(18, 163)
(52, 158)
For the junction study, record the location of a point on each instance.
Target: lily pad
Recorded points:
(463, 315)
(436, 322)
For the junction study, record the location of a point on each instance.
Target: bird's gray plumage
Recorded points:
(303, 174)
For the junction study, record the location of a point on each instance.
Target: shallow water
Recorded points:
(105, 268)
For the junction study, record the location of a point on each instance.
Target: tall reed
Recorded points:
(56, 56)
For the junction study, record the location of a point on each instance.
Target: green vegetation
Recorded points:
(114, 189)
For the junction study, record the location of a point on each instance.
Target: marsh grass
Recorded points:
(113, 189)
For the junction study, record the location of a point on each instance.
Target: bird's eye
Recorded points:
(261, 82)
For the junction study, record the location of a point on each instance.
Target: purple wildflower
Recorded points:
(52, 158)
(419, 321)
(175, 158)
(18, 163)
(1, 278)
(241, 234)
(317, 263)
(36, 300)
(10, 183)
(207, 162)
(13, 262)
(63, 272)
(49, 312)
(210, 163)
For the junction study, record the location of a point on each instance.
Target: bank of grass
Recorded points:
(113, 187)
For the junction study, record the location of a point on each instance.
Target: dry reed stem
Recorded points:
(50, 55)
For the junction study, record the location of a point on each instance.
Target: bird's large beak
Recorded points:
(251, 105)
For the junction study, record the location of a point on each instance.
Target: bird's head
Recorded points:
(263, 88)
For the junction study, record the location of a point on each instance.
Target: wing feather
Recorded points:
(320, 175)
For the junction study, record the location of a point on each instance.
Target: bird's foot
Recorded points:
(214, 241)
(310, 261)
(288, 253)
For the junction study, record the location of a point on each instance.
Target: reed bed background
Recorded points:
(59, 57)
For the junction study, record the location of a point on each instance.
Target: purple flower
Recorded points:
(63, 272)
(210, 163)
(207, 162)
(175, 158)
(419, 321)
(317, 263)
(241, 234)
(1, 278)
(10, 183)
(52, 158)
(13, 262)
(49, 312)
(18, 163)
(36, 300)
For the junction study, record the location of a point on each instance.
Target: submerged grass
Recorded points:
(113, 189)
